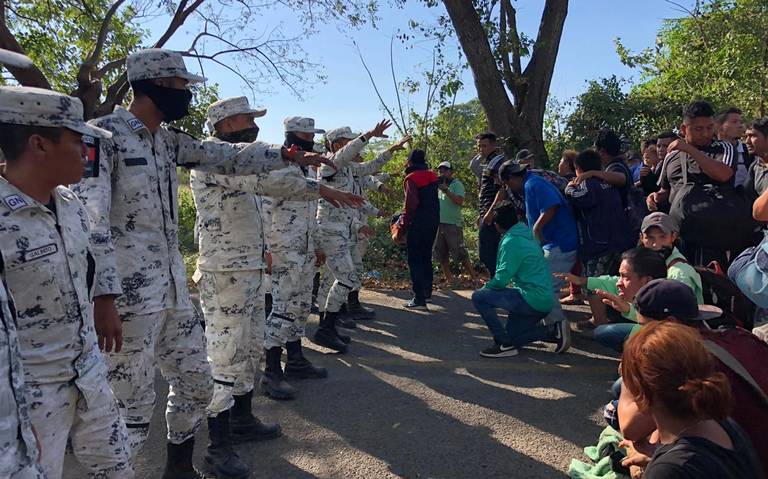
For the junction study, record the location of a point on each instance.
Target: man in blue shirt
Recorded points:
(550, 218)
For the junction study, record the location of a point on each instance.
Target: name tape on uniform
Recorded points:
(40, 252)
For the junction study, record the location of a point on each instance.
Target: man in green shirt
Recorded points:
(450, 233)
(522, 285)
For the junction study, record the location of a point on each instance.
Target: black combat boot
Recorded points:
(344, 319)
(220, 460)
(299, 367)
(356, 310)
(178, 464)
(326, 335)
(346, 339)
(273, 383)
(245, 427)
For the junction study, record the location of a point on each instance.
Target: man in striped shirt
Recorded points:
(485, 165)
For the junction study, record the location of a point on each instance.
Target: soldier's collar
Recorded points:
(133, 123)
(13, 199)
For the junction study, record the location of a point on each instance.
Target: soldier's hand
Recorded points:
(400, 145)
(109, 326)
(341, 199)
(367, 231)
(378, 130)
(312, 159)
(268, 259)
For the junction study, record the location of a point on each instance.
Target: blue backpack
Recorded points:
(750, 272)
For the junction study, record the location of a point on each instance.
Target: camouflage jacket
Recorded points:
(346, 177)
(130, 190)
(229, 217)
(17, 442)
(289, 225)
(49, 271)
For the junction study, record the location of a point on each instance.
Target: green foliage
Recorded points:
(717, 52)
(187, 215)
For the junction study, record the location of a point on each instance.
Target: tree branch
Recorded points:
(400, 128)
(394, 81)
(25, 76)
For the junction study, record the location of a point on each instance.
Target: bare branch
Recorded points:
(93, 57)
(108, 67)
(394, 81)
(25, 76)
(400, 128)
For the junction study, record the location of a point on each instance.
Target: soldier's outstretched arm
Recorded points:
(286, 183)
(224, 158)
(341, 199)
(371, 167)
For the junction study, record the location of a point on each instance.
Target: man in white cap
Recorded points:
(130, 191)
(336, 227)
(49, 271)
(231, 266)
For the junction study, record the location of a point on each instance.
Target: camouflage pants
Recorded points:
(359, 247)
(292, 274)
(29, 471)
(61, 412)
(233, 307)
(339, 261)
(172, 339)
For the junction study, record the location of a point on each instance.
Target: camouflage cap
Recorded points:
(227, 107)
(338, 133)
(22, 105)
(158, 63)
(300, 124)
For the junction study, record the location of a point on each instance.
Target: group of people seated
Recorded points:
(646, 246)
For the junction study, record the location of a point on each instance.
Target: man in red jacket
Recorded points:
(420, 219)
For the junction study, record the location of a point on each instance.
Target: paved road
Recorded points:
(414, 399)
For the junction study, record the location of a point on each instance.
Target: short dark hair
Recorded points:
(698, 109)
(667, 135)
(487, 135)
(608, 140)
(139, 87)
(505, 215)
(646, 262)
(760, 125)
(14, 138)
(588, 160)
(722, 115)
(647, 143)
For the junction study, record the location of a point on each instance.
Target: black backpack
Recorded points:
(720, 291)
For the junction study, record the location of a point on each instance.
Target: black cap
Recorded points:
(667, 297)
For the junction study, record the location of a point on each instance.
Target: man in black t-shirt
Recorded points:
(485, 165)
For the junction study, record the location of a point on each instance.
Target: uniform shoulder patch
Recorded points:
(92, 154)
(135, 124)
(14, 202)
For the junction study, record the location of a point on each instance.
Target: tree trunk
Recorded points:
(522, 126)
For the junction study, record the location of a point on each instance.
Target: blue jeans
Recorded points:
(523, 322)
(559, 262)
(613, 335)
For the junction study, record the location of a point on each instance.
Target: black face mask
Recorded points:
(304, 145)
(172, 102)
(247, 135)
(666, 252)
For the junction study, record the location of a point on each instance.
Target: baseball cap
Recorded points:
(660, 220)
(158, 63)
(514, 166)
(668, 297)
(300, 124)
(524, 155)
(22, 105)
(445, 164)
(338, 133)
(227, 107)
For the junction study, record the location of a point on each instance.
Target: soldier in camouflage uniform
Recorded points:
(44, 239)
(18, 445)
(337, 227)
(130, 191)
(231, 264)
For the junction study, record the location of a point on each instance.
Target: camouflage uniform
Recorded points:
(339, 226)
(18, 446)
(49, 271)
(230, 267)
(130, 191)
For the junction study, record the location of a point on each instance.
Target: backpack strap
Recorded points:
(677, 261)
(734, 365)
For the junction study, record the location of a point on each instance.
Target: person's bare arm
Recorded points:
(544, 219)
(760, 208)
(717, 170)
(501, 195)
